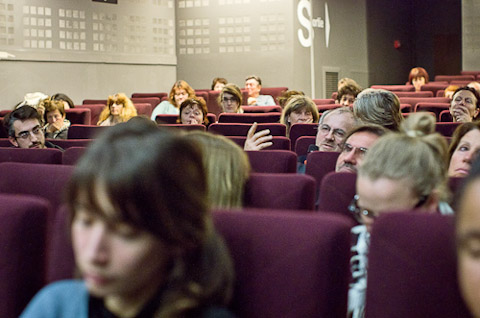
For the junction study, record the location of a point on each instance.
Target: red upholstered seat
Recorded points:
(300, 130)
(79, 116)
(412, 267)
(445, 116)
(435, 108)
(144, 109)
(414, 100)
(45, 156)
(434, 88)
(446, 129)
(302, 144)
(287, 265)
(94, 101)
(275, 92)
(279, 142)
(184, 126)
(336, 192)
(153, 101)
(262, 109)
(324, 101)
(415, 94)
(395, 88)
(249, 118)
(230, 129)
(85, 131)
(319, 164)
(71, 155)
(143, 95)
(450, 78)
(273, 161)
(95, 110)
(280, 191)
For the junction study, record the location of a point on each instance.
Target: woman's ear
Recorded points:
(431, 205)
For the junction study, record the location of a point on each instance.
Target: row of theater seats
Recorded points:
(287, 263)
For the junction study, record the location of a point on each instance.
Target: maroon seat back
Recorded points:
(249, 118)
(262, 109)
(153, 101)
(415, 94)
(324, 107)
(45, 156)
(323, 101)
(45, 180)
(280, 191)
(445, 116)
(412, 261)
(212, 104)
(67, 143)
(299, 130)
(166, 119)
(79, 116)
(414, 100)
(95, 110)
(279, 142)
(94, 101)
(434, 88)
(225, 129)
(287, 264)
(85, 131)
(143, 95)
(336, 192)
(23, 229)
(319, 164)
(145, 109)
(302, 144)
(395, 88)
(4, 142)
(435, 108)
(275, 92)
(273, 161)
(446, 129)
(72, 154)
(450, 78)
(184, 126)
(202, 94)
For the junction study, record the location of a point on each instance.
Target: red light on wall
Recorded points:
(397, 44)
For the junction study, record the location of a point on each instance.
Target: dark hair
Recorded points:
(51, 106)
(369, 128)
(21, 113)
(285, 96)
(156, 183)
(417, 72)
(218, 80)
(471, 90)
(200, 102)
(63, 97)
(348, 90)
(255, 77)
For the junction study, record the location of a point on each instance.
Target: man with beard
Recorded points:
(356, 144)
(24, 128)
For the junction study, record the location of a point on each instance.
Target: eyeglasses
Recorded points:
(337, 132)
(37, 130)
(227, 100)
(361, 151)
(358, 212)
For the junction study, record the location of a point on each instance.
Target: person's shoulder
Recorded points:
(265, 100)
(67, 298)
(48, 144)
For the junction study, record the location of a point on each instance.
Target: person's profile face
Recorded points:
(332, 130)
(464, 154)
(218, 87)
(180, 96)
(229, 103)
(115, 258)
(28, 134)
(252, 87)
(54, 116)
(192, 115)
(468, 247)
(464, 99)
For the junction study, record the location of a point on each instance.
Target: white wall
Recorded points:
(470, 35)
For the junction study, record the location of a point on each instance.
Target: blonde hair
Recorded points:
(128, 109)
(296, 103)
(233, 90)
(378, 106)
(416, 154)
(227, 168)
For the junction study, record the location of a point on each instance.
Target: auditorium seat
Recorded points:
(26, 155)
(319, 164)
(4, 142)
(71, 155)
(85, 131)
(440, 93)
(144, 109)
(445, 116)
(336, 192)
(299, 130)
(212, 104)
(324, 101)
(79, 116)
(406, 108)
(434, 88)
(153, 101)
(273, 161)
(395, 88)
(325, 107)
(460, 83)
(94, 101)
(262, 109)
(143, 95)
(3, 131)
(455, 186)
(249, 118)
(412, 267)
(23, 229)
(225, 129)
(95, 110)
(279, 142)
(415, 94)
(446, 129)
(474, 73)
(287, 264)
(202, 94)
(450, 78)
(67, 143)
(302, 144)
(280, 191)
(184, 127)
(275, 92)
(414, 100)
(435, 108)
(172, 119)
(45, 180)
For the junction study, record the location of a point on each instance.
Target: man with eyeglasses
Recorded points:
(24, 128)
(357, 142)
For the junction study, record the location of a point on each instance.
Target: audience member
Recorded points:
(347, 94)
(467, 240)
(356, 144)
(418, 77)
(34, 100)
(193, 111)
(218, 83)
(119, 109)
(230, 99)
(67, 101)
(142, 235)
(464, 148)
(257, 140)
(57, 125)
(402, 171)
(378, 106)
(24, 128)
(227, 168)
(465, 104)
(180, 91)
(285, 96)
(332, 128)
(346, 81)
(299, 110)
(253, 85)
(448, 93)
